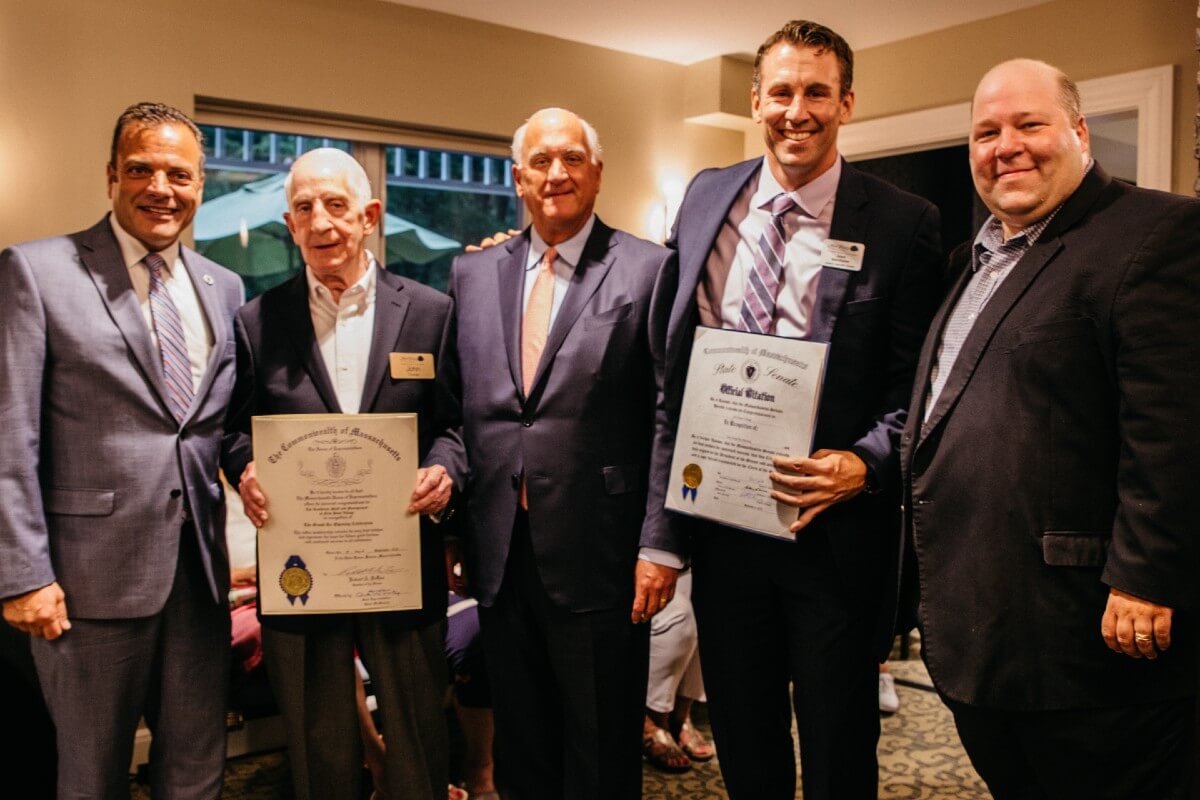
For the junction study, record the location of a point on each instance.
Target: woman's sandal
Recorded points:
(662, 752)
(693, 743)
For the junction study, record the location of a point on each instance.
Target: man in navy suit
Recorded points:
(558, 390)
(320, 344)
(816, 615)
(117, 344)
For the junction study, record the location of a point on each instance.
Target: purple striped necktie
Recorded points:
(762, 287)
(177, 368)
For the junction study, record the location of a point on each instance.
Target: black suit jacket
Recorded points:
(874, 320)
(1056, 462)
(280, 371)
(582, 436)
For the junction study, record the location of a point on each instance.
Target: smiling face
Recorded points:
(556, 176)
(328, 220)
(1027, 155)
(800, 105)
(156, 182)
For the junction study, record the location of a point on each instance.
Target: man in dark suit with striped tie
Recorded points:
(805, 623)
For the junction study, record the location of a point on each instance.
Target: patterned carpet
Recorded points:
(920, 758)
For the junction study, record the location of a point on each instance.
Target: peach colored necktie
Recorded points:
(535, 327)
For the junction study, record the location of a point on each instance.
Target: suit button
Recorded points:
(176, 493)
(516, 481)
(528, 423)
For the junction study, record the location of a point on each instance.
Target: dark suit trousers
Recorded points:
(312, 676)
(774, 615)
(568, 689)
(102, 675)
(1127, 753)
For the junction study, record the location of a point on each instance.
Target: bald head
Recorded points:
(556, 171)
(1030, 69)
(330, 161)
(330, 214)
(557, 117)
(1029, 145)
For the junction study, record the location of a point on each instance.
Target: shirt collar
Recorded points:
(812, 197)
(133, 251)
(569, 251)
(366, 282)
(991, 235)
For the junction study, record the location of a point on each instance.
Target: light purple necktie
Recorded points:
(177, 368)
(758, 306)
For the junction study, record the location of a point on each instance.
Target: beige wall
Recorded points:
(354, 57)
(68, 67)
(1085, 38)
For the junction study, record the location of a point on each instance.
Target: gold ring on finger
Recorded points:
(1142, 637)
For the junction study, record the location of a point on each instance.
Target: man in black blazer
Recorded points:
(814, 616)
(319, 344)
(1049, 500)
(558, 389)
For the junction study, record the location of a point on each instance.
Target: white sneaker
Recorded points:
(889, 701)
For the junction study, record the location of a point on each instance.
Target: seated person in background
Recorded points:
(669, 740)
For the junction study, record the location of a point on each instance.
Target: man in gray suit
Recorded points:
(558, 393)
(118, 354)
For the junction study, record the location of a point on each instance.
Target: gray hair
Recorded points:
(356, 176)
(593, 138)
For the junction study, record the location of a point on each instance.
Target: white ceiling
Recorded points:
(687, 31)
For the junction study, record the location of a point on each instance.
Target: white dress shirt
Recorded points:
(197, 334)
(344, 331)
(806, 228)
(567, 255)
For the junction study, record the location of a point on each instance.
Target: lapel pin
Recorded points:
(208, 279)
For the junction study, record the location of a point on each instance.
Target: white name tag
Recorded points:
(842, 255)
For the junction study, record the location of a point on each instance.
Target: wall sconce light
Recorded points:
(662, 212)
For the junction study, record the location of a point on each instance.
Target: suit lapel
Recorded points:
(391, 307)
(930, 345)
(708, 217)
(210, 303)
(1010, 291)
(849, 224)
(594, 264)
(298, 320)
(101, 255)
(510, 277)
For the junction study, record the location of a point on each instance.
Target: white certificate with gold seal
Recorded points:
(748, 398)
(337, 538)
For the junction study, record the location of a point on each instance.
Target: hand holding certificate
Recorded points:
(338, 538)
(748, 398)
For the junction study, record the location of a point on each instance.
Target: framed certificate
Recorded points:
(337, 538)
(748, 398)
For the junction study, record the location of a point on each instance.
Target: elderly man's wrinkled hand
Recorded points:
(654, 586)
(253, 499)
(433, 491)
(41, 613)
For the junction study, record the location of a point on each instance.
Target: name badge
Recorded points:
(842, 255)
(412, 366)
